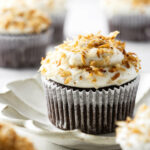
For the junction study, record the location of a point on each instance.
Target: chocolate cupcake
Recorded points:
(131, 18)
(90, 82)
(56, 10)
(135, 134)
(24, 36)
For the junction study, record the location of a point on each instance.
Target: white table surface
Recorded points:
(83, 17)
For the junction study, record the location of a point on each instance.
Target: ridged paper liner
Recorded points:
(93, 112)
(136, 27)
(23, 50)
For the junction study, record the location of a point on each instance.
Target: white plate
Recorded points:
(27, 108)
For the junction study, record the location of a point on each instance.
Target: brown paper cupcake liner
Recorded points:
(135, 28)
(93, 112)
(23, 50)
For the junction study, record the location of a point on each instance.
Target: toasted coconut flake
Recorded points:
(67, 80)
(79, 37)
(117, 75)
(95, 69)
(98, 54)
(126, 64)
(48, 61)
(120, 68)
(112, 69)
(114, 34)
(136, 131)
(64, 73)
(102, 70)
(63, 55)
(128, 119)
(43, 71)
(94, 80)
(107, 60)
(83, 59)
(104, 46)
(90, 74)
(43, 58)
(42, 61)
(92, 63)
(140, 2)
(99, 73)
(59, 63)
(81, 77)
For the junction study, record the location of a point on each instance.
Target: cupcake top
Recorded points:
(124, 7)
(22, 20)
(91, 61)
(135, 134)
(9, 140)
(47, 6)
(141, 2)
(12, 3)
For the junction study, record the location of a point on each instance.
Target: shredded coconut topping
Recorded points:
(141, 2)
(48, 6)
(126, 7)
(100, 60)
(9, 140)
(135, 134)
(22, 20)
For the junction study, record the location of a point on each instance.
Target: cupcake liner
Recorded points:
(58, 21)
(136, 27)
(93, 112)
(23, 50)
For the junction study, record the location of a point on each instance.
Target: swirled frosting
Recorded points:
(16, 20)
(91, 61)
(135, 134)
(131, 7)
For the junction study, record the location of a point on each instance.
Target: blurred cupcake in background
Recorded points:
(90, 82)
(130, 17)
(56, 10)
(135, 134)
(10, 140)
(24, 36)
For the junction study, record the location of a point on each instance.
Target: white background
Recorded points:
(84, 16)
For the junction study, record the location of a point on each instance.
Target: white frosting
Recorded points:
(135, 135)
(11, 3)
(16, 20)
(44, 5)
(47, 6)
(124, 7)
(81, 77)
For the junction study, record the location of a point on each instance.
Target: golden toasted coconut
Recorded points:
(141, 2)
(23, 20)
(10, 140)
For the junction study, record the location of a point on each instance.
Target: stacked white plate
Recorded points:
(25, 106)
